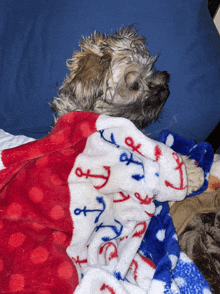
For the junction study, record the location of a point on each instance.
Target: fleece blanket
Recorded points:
(200, 238)
(201, 154)
(196, 220)
(207, 202)
(76, 204)
(183, 211)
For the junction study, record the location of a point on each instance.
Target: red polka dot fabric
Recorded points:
(75, 205)
(35, 223)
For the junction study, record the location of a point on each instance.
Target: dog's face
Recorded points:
(114, 75)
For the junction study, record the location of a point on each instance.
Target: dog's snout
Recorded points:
(158, 85)
(164, 93)
(165, 76)
(159, 78)
(159, 91)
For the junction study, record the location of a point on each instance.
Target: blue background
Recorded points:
(38, 36)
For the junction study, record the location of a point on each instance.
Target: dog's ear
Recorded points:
(89, 70)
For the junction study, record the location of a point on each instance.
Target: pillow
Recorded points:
(38, 36)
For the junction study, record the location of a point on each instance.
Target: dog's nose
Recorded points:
(158, 85)
(163, 93)
(165, 76)
(160, 92)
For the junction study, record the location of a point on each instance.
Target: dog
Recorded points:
(113, 75)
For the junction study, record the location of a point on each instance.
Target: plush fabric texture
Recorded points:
(196, 220)
(175, 272)
(75, 206)
(207, 202)
(38, 36)
(201, 154)
(200, 238)
(183, 211)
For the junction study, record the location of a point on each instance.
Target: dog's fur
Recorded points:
(113, 75)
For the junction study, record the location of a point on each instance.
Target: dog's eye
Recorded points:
(135, 86)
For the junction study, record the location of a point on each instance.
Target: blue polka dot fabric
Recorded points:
(175, 272)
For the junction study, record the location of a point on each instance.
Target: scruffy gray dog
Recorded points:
(113, 75)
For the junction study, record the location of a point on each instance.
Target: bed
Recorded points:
(85, 207)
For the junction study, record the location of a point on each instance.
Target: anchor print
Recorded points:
(148, 261)
(109, 248)
(139, 233)
(137, 177)
(124, 158)
(157, 153)
(133, 268)
(110, 289)
(114, 229)
(178, 167)
(143, 201)
(130, 143)
(79, 261)
(100, 200)
(149, 214)
(124, 198)
(88, 174)
(112, 139)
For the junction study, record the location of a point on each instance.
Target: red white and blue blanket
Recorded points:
(81, 212)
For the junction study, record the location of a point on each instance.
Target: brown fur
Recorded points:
(113, 75)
